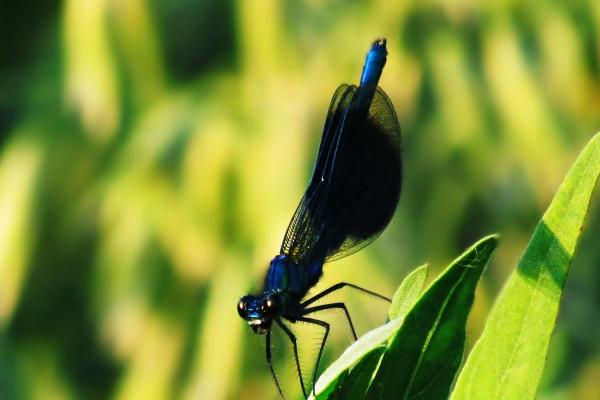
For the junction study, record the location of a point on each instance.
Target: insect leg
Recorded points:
(268, 350)
(326, 326)
(292, 337)
(322, 307)
(339, 286)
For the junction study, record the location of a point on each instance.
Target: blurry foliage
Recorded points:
(152, 154)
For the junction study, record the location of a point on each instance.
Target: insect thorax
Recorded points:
(293, 279)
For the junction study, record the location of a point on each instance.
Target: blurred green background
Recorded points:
(152, 153)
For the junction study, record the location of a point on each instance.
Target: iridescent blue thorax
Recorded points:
(290, 278)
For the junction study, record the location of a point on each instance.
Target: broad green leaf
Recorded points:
(369, 344)
(508, 359)
(408, 292)
(424, 355)
(354, 384)
(353, 354)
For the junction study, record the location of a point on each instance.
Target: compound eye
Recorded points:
(242, 308)
(273, 304)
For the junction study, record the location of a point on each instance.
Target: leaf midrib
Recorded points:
(430, 334)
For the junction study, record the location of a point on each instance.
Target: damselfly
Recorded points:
(350, 199)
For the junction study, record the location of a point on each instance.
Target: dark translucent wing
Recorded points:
(375, 169)
(338, 106)
(300, 236)
(356, 182)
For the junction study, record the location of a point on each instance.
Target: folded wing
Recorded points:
(356, 180)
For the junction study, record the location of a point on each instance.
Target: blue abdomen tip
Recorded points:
(374, 63)
(379, 43)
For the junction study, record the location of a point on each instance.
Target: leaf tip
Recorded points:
(489, 240)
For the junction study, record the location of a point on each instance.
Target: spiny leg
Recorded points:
(326, 326)
(322, 307)
(292, 337)
(271, 363)
(339, 286)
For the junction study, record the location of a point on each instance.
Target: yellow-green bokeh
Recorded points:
(153, 152)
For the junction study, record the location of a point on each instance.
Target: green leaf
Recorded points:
(508, 359)
(355, 383)
(423, 356)
(408, 292)
(359, 355)
(353, 354)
